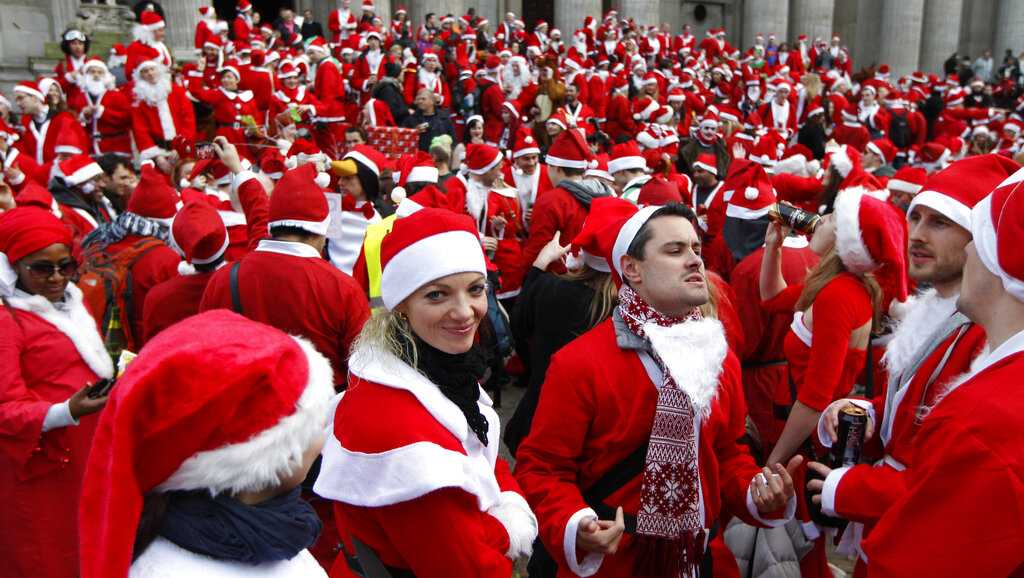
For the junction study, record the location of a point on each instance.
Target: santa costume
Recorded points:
(161, 111)
(109, 125)
(528, 186)
(39, 134)
(145, 47)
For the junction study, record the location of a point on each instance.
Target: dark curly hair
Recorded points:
(65, 45)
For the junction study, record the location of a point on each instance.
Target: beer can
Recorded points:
(853, 423)
(797, 219)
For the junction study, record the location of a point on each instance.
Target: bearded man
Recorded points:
(104, 111)
(161, 110)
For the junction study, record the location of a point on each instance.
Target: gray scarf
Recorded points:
(126, 224)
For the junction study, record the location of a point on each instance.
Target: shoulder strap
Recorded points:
(618, 476)
(236, 297)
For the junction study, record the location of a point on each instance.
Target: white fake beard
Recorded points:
(95, 87)
(153, 93)
(476, 198)
(924, 314)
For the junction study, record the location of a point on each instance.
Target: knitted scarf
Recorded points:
(126, 224)
(669, 525)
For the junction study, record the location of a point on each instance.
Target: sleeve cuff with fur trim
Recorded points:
(151, 153)
(828, 491)
(59, 415)
(773, 522)
(591, 562)
(823, 436)
(237, 180)
(514, 513)
(20, 178)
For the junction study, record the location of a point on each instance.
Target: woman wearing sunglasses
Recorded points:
(50, 351)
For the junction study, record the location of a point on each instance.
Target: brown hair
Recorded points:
(827, 269)
(606, 294)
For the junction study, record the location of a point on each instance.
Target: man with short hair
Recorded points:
(41, 124)
(118, 180)
(429, 120)
(529, 177)
(354, 135)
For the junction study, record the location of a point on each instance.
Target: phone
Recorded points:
(205, 150)
(100, 388)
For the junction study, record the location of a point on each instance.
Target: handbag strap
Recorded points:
(236, 297)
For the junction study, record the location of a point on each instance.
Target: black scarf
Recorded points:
(457, 376)
(226, 529)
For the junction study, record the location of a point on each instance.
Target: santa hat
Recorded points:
(997, 224)
(30, 88)
(525, 145)
(401, 10)
(79, 169)
(933, 156)
(199, 232)
(367, 5)
(748, 191)
(415, 168)
(257, 399)
(218, 172)
(883, 148)
(626, 156)
(676, 95)
(871, 237)
(373, 33)
(71, 142)
(908, 180)
(599, 169)
(94, 62)
(426, 246)
(955, 190)
(23, 231)
(298, 201)
(287, 69)
(205, 11)
(481, 158)
(658, 192)
(151, 20)
(318, 44)
(815, 107)
(569, 151)
(369, 157)
(710, 119)
(153, 197)
(707, 162)
(272, 164)
(231, 67)
(597, 237)
(244, 6)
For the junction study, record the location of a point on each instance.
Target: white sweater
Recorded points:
(165, 559)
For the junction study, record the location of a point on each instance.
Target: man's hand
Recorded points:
(228, 154)
(601, 536)
(773, 487)
(831, 419)
(81, 404)
(553, 251)
(6, 197)
(816, 486)
(490, 244)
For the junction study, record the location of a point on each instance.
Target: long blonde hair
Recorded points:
(606, 294)
(385, 331)
(827, 269)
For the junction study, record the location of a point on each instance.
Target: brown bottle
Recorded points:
(114, 338)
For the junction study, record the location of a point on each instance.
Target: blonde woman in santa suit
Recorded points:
(412, 462)
(50, 352)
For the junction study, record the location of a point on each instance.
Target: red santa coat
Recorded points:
(528, 189)
(491, 101)
(502, 202)
(329, 90)
(241, 28)
(556, 211)
(341, 23)
(779, 116)
(110, 126)
(592, 415)
(40, 141)
(285, 98)
(154, 127)
(851, 134)
(448, 519)
(620, 121)
(288, 285)
(260, 81)
(47, 356)
(139, 52)
(964, 485)
(229, 107)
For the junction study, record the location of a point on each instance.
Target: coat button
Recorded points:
(238, 105)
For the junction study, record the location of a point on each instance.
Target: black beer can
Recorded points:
(797, 219)
(853, 423)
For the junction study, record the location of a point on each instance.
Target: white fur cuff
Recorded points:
(514, 513)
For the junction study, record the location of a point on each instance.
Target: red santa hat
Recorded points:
(426, 246)
(658, 192)
(597, 237)
(25, 230)
(199, 232)
(676, 95)
(318, 44)
(883, 148)
(205, 11)
(997, 224)
(626, 156)
(416, 168)
(525, 145)
(707, 162)
(79, 169)
(481, 158)
(367, 5)
(815, 107)
(151, 20)
(287, 69)
(244, 6)
(871, 237)
(247, 422)
(599, 169)
(401, 10)
(748, 191)
(30, 88)
(955, 190)
(298, 201)
(153, 197)
(710, 119)
(908, 180)
(218, 173)
(570, 151)
(933, 156)
(272, 164)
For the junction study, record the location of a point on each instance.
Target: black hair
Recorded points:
(210, 267)
(283, 230)
(369, 180)
(636, 247)
(110, 161)
(154, 510)
(572, 172)
(427, 17)
(65, 46)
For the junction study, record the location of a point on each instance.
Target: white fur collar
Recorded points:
(925, 313)
(693, 352)
(73, 320)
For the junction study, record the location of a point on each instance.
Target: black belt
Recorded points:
(235, 125)
(768, 363)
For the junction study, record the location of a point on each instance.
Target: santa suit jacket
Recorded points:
(40, 141)
(528, 189)
(288, 285)
(961, 513)
(47, 356)
(153, 127)
(501, 202)
(620, 121)
(592, 415)
(329, 90)
(419, 488)
(557, 210)
(109, 129)
(770, 110)
(491, 101)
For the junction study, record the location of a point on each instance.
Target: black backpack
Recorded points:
(899, 131)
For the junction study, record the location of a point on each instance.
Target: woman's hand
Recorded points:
(228, 154)
(553, 251)
(490, 244)
(80, 404)
(773, 487)
(601, 536)
(831, 419)
(774, 236)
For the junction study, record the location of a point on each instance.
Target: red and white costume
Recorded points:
(342, 23)
(155, 122)
(110, 126)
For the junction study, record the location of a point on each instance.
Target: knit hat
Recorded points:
(199, 232)
(955, 190)
(481, 158)
(569, 151)
(597, 237)
(299, 201)
(748, 192)
(626, 156)
(997, 223)
(525, 145)
(79, 169)
(426, 246)
(23, 231)
(153, 197)
(907, 179)
(216, 403)
(871, 236)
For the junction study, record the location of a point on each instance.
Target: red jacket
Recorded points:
(110, 126)
(502, 203)
(40, 142)
(491, 101)
(150, 127)
(557, 210)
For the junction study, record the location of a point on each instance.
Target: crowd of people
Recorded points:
(243, 336)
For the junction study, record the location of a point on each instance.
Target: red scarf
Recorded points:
(669, 526)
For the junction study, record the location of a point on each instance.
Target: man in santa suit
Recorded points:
(77, 197)
(491, 101)
(329, 90)
(369, 66)
(104, 110)
(850, 131)
(292, 95)
(149, 44)
(780, 112)
(160, 110)
(528, 175)
(241, 28)
(207, 27)
(41, 124)
(666, 394)
(342, 22)
(684, 43)
(933, 346)
(538, 39)
(619, 111)
(963, 485)
(429, 76)
(652, 46)
(577, 114)
(328, 307)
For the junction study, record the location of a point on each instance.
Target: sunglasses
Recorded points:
(45, 269)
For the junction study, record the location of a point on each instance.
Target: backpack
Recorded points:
(899, 131)
(106, 283)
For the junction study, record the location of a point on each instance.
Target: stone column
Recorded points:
(569, 15)
(643, 12)
(979, 31)
(182, 17)
(811, 17)
(764, 17)
(899, 35)
(940, 33)
(1009, 28)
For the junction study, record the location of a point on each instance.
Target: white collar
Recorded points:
(293, 248)
(1012, 345)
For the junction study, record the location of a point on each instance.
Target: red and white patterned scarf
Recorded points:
(670, 528)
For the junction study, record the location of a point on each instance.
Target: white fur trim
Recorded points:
(744, 213)
(315, 227)
(259, 462)
(186, 269)
(423, 175)
(648, 140)
(787, 514)
(923, 315)
(794, 165)
(751, 193)
(693, 352)
(951, 208)
(986, 242)
(627, 233)
(828, 491)
(841, 161)
(360, 157)
(75, 322)
(649, 109)
(592, 560)
(167, 126)
(493, 163)
(849, 240)
(626, 163)
(84, 174)
(521, 524)
(709, 168)
(428, 259)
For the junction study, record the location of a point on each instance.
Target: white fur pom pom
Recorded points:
(751, 193)
(323, 180)
(398, 195)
